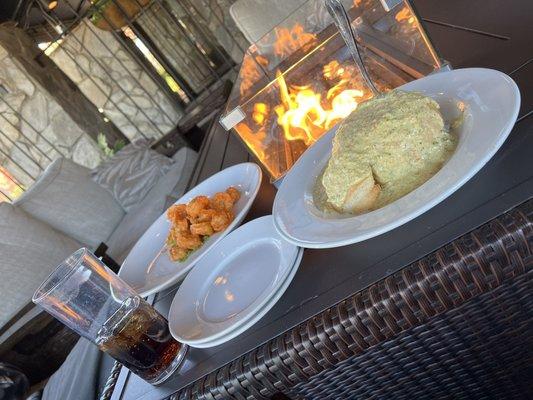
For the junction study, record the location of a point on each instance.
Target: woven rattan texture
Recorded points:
(473, 352)
(455, 324)
(111, 382)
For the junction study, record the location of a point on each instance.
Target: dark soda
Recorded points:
(138, 337)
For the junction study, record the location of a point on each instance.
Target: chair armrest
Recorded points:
(67, 199)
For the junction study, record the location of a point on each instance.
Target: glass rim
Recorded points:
(43, 291)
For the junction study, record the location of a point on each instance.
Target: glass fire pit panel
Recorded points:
(299, 80)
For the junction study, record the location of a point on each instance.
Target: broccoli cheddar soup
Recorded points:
(386, 148)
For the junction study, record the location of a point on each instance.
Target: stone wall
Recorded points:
(22, 48)
(34, 128)
(116, 83)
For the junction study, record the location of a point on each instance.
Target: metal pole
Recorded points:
(146, 9)
(207, 35)
(183, 85)
(5, 195)
(146, 12)
(173, 47)
(16, 182)
(203, 82)
(192, 5)
(161, 59)
(70, 27)
(202, 57)
(172, 101)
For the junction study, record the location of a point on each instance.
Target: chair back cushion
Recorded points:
(131, 173)
(30, 250)
(66, 198)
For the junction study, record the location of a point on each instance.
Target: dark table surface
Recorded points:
(492, 34)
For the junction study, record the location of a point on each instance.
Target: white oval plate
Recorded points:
(257, 315)
(234, 281)
(492, 102)
(148, 269)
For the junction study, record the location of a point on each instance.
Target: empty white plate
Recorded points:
(232, 283)
(241, 328)
(148, 269)
(491, 101)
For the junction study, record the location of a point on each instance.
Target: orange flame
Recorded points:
(254, 140)
(290, 40)
(301, 113)
(251, 72)
(287, 41)
(260, 113)
(405, 14)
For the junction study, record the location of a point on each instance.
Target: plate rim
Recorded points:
(427, 206)
(237, 220)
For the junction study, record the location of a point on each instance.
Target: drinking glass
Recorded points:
(89, 298)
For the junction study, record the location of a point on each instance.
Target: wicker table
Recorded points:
(438, 308)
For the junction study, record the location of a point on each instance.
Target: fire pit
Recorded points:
(299, 80)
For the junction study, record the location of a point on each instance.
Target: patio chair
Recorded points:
(68, 207)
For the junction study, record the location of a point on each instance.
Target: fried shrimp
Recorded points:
(196, 205)
(182, 224)
(178, 253)
(234, 193)
(201, 217)
(205, 215)
(221, 201)
(172, 235)
(221, 220)
(189, 241)
(177, 212)
(202, 229)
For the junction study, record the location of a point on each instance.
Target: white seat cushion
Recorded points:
(29, 250)
(139, 219)
(66, 198)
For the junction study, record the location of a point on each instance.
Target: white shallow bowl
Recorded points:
(148, 269)
(491, 100)
(232, 283)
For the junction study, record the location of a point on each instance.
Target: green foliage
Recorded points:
(119, 144)
(106, 149)
(99, 5)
